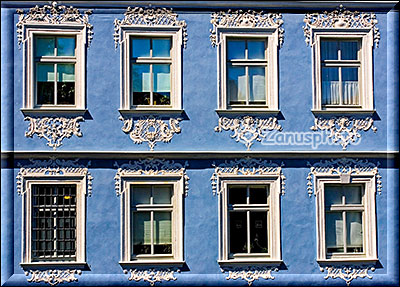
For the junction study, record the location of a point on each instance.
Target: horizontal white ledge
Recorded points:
(197, 154)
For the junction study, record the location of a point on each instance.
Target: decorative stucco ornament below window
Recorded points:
(54, 129)
(248, 129)
(152, 276)
(53, 277)
(245, 166)
(152, 17)
(250, 274)
(54, 15)
(345, 168)
(150, 130)
(347, 273)
(344, 129)
(153, 167)
(241, 19)
(340, 19)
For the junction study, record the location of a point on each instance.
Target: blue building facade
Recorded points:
(199, 143)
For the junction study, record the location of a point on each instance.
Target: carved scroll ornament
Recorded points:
(54, 15)
(153, 17)
(53, 167)
(347, 273)
(242, 19)
(344, 130)
(251, 274)
(342, 166)
(54, 129)
(248, 129)
(340, 19)
(151, 130)
(150, 166)
(152, 276)
(53, 277)
(245, 166)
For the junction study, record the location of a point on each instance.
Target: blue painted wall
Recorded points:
(103, 133)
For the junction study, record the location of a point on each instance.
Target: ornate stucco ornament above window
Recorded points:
(150, 167)
(347, 273)
(241, 19)
(340, 19)
(345, 168)
(248, 129)
(152, 276)
(54, 15)
(245, 167)
(149, 17)
(53, 277)
(344, 130)
(54, 129)
(150, 129)
(249, 274)
(54, 167)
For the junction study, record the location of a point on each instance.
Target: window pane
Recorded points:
(141, 233)
(237, 85)
(162, 194)
(353, 194)
(258, 232)
(162, 233)
(350, 86)
(236, 49)
(65, 46)
(354, 232)
(329, 50)
(162, 84)
(334, 232)
(237, 195)
(259, 194)
(333, 194)
(257, 85)
(238, 232)
(349, 50)
(140, 47)
(256, 49)
(140, 194)
(330, 86)
(44, 46)
(161, 47)
(45, 84)
(141, 82)
(65, 84)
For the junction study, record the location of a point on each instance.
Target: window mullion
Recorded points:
(248, 231)
(55, 83)
(344, 232)
(151, 84)
(152, 232)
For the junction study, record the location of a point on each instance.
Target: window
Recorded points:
(346, 220)
(54, 221)
(152, 221)
(55, 62)
(54, 70)
(248, 72)
(151, 71)
(250, 221)
(343, 72)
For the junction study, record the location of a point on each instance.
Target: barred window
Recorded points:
(54, 222)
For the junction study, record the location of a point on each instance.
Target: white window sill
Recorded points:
(150, 111)
(348, 260)
(343, 111)
(52, 264)
(253, 261)
(54, 111)
(249, 111)
(175, 263)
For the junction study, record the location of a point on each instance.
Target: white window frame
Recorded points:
(79, 32)
(176, 67)
(272, 87)
(369, 218)
(26, 252)
(365, 38)
(274, 240)
(177, 221)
